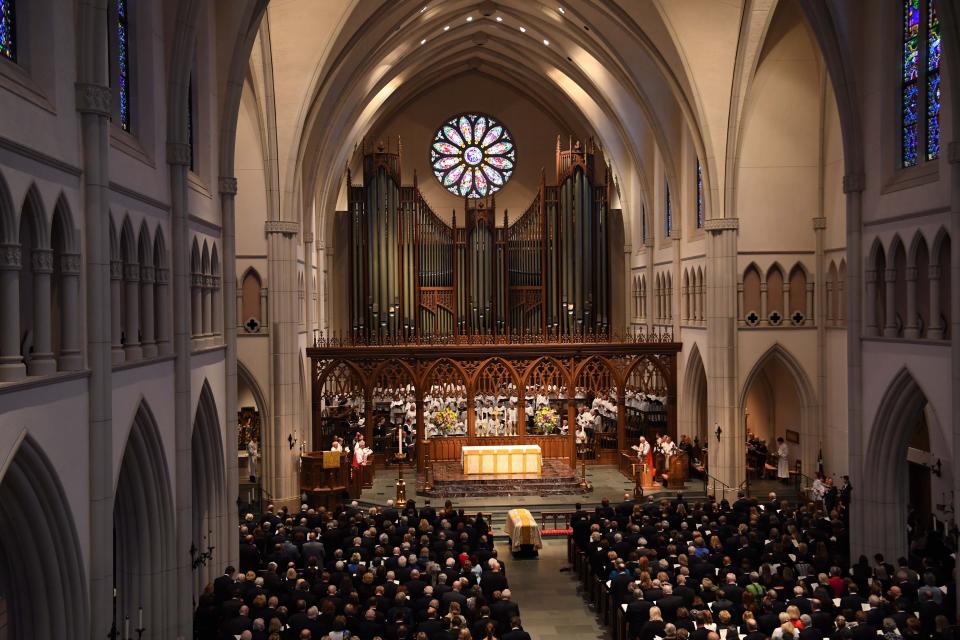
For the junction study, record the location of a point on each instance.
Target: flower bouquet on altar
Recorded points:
(545, 420)
(445, 420)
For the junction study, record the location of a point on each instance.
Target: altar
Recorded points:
(495, 459)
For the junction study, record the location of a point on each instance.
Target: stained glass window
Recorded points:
(473, 155)
(123, 63)
(933, 82)
(8, 31)
(668, 213)
(920, 83)
(699, 196)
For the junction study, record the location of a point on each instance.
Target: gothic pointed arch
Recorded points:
(143, 521)
(885, 495)
(33, 216)
(694, 394)
(791, 402)
(8, 216)
(210, 506)
(45, 556)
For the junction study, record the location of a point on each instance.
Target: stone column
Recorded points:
(116, 317)
(831, 315)
(763, 302)
(206, 313)
(93, 102)
(161, 300)
(280, 472)
(911, 330)
(131, 345)
(11, 362)
(42, 361)
(148, 335)
(727, 457)
(817, 314)
(216, 306)
(935, 331)
(71, 358)
(787, 311)
(309, 311)
(196, 305)
(953, 155)
(890, 322)
(811, 308)
(870, 304)
(228, 192)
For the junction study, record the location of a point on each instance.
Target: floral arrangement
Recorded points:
(546, 419)
(445, 420)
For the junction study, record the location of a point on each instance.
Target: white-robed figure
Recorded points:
(253, 455)
(783, 460)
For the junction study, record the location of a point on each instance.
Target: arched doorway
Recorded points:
(143, 519)
(778, 402)
(695, 397)
(903, 439)
(209, 503)
(252, 415)
(40, 558)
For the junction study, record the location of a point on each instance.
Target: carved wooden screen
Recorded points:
(393, 395)
(495, 395)
(596, 393)
(646, 397)
(546, 386)
(445, 391)
(342, 401)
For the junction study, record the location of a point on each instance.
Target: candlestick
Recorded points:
(140, 617)
(126, 628)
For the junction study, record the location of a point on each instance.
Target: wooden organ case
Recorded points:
(413, 274)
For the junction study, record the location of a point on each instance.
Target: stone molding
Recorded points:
(721, 224)
(42, 261)
(227, 185)
(147, 274)
(196, 280)
(10, 256)
(163, 276)
(285, 227)
(70, 264)
(94, 98)
(116, 270)
(819, 223)
(178, 153)
(307, 237)
(131, 272)
(854, 182)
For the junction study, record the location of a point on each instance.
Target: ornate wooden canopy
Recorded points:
(482, 364)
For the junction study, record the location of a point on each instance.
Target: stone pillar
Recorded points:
(309, 311)
(216, 306)
(763, 302)
(147, 334)
(93, 102)
(280, 469)
(817, 314)
(116, 317)
(811, 308)
(911, 330)
(728, 455)
(11, 362)
(42, 361)
(196, 305)
(831, 315)
(228, 192)
(161, 301)
(178, 161)
(206, 313)
(890, 322)
(131, 345)
(71, 358)
(870, 304)
(935, 331)
(853, 185)
(953, 155)
(786, 300)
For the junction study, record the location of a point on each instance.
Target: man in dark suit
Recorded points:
(492, 580)
(503, 610)
(477, 628)
(638, 613)
(223, 586)
(369, 627)
(516, 631)
(669, 603)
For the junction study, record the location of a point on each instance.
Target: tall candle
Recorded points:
(126, 628)
(140, 619)
(399, 439)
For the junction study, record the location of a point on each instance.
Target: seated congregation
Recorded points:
(395, 574)
(756, 570)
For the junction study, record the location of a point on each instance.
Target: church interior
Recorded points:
(274, 275)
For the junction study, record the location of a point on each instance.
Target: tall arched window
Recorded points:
(667, 212)
(699, 195)
(8, 30)
(121, 45)
(920, 83)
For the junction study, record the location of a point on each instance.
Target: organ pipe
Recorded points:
(413, 274)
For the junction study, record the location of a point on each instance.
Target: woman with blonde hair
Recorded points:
(654, 627)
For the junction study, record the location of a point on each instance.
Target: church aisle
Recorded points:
(550, 607)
